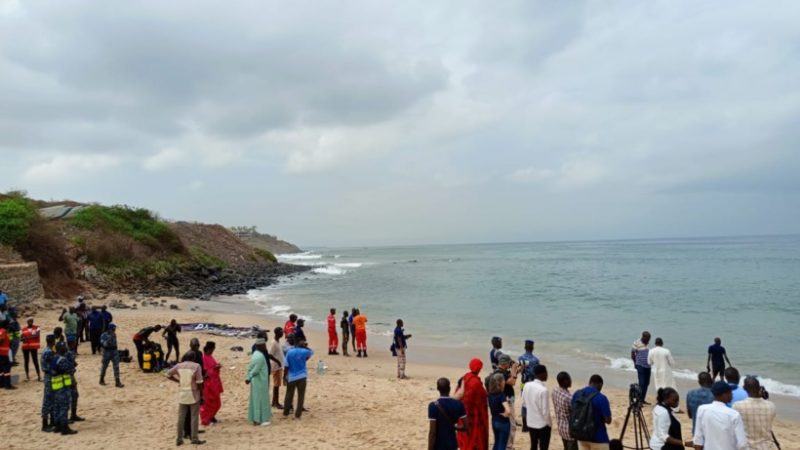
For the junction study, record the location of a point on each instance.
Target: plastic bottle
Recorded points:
(320, 367)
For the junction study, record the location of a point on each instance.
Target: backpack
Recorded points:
(581, 420)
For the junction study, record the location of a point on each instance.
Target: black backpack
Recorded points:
(581, 420)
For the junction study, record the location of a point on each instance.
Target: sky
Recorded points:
(348, 123)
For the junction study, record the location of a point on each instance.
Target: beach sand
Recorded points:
(356, 404)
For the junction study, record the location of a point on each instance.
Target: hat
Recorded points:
(721, 387)
(529, 342)
(60, 345)
(504, 359)
(475, 365)
(112, 326)
(261, 341)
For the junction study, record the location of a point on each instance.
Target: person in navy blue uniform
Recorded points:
(61, 369)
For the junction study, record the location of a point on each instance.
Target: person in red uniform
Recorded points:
(333, 337)
(360, 322)
(5, 362)
(30, 348)
(288, 328)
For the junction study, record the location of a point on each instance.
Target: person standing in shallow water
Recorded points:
(717, 356)
(639, 354)
(345, 326)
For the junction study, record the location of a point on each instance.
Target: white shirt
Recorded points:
(537, 404)
(274, 349)
(719, 428)
(661, 423)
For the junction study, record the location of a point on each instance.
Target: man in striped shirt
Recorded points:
(639, 354)
(562, 403)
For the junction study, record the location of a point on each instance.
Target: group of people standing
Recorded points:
(725, 416)
(354, 331)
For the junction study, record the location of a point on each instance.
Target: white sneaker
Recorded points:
(266, 424)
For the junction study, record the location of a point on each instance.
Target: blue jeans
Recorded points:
(644, 379)
(501, 431)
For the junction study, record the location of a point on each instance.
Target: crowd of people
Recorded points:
(725, 415)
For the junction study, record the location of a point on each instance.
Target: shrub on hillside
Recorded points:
(137, 223)
(266, 255)
(17, 213)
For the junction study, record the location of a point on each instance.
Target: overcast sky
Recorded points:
(366, 123)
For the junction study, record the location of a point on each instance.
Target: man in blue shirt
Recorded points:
(444, 415)
(3, 298)
(716, 359)
(96, 325)
(700, 396)
(601, 409)
(732, 377)
(400, 346)
(297, 374)
(528, 362)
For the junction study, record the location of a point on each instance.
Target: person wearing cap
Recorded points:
(718, 426)
(297, 374)
(259, 411)
(758, 414)
(497, 350)
(108, 341)
(60, 381)
(189, 375)
(473, 395)
(47, 395)
(30, 348)
(510, 371)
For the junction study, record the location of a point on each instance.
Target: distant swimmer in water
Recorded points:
(717, 356)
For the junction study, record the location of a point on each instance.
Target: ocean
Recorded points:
(582, 302)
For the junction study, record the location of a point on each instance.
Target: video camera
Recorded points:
(635, 395)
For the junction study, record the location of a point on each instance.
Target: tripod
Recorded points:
(641, 437)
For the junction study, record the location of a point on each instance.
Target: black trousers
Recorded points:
(139, 352)
(32, 353)
(300, 386)
(540, 438)
(94, 337)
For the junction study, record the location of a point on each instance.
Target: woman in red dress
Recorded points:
(473, 394)
(212, 386)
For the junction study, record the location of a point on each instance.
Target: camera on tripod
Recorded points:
(635, 395)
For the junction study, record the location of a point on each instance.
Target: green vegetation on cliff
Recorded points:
(17, 214)
(137, 223)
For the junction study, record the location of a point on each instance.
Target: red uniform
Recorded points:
(333, 338)
(288, 328)
(30, 338)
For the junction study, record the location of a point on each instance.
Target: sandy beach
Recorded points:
(356, 404)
